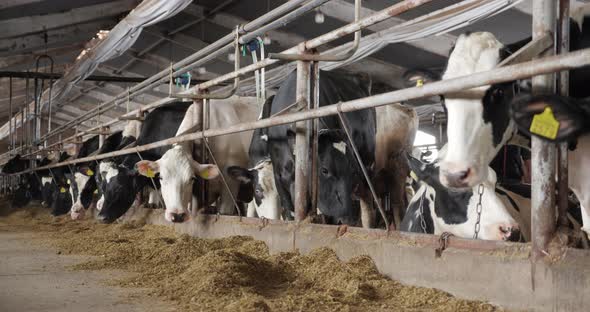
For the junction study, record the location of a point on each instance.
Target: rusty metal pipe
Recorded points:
(302, 143)
(287, 18)
(327, 57)
(338, 33)
(563, 43)
(519, 71)
(199, 57)
(543, 153)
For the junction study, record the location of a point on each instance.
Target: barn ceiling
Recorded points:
(60, 28)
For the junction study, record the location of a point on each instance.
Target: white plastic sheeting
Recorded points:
(108, 46)
(436, 23)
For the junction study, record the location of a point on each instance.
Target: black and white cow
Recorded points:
(258, 186)
(478, 128)
(341, 181)
(436, 209)
(79, 179)
(62, 198)
(178, 169)
(123, 182)
(86, 178)
(130, 135)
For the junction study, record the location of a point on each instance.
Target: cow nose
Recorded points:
(178, 217)
(510, 233)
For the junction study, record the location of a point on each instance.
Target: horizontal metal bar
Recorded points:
(340, 32)
(181, 66)
(519, 71)
(349, 29)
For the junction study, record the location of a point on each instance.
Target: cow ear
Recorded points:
(205, 171)
(550, 117)
(417, 166)
(241, 174)
(147, 168)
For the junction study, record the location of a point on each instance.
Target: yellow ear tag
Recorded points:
(545, 124)
(89, 172)
(413, 175)
(62, 190)
(150, 173)
(69, 182)
(419, 83)
(95, 191)
(204, 174)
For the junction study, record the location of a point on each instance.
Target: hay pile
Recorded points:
(231, 274)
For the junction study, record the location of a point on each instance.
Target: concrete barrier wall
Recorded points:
(498, 272)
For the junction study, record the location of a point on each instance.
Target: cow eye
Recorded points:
(258, 192)
(324, 171)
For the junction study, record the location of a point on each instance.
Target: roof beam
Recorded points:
(30, 58)
(39, 23)
(5, 4)
(55, 37)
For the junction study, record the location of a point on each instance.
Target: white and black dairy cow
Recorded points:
(122, 182)
(436, 209)
(177, 168)
(86, 179)
(78, 181)
(257, 181)
(340, 177)
(478, 128)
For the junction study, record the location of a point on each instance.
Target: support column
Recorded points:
(302, 142)
(543, 153)
(563, 44)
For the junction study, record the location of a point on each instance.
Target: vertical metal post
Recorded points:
(315, 103)
(204, 159)
(302, 142)
(36, 133)
(543, 153)
(563, 44)
(22, 128)
(10, 121)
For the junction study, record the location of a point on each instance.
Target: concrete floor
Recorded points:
(34, 278)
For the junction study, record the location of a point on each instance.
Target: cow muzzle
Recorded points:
(176, 217)
(458, 176)
(508, 232)
(77, 212)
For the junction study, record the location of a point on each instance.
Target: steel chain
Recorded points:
(421, 208)
(478, 209)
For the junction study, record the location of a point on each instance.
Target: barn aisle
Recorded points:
(34, 278)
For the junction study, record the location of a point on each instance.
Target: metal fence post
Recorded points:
(302, 142)
(543, 153)
(563, 43)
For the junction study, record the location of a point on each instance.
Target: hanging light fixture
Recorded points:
(319, 16)
(266, 39)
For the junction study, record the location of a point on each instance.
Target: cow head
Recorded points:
(62, 199)
(455, 210)
(477, 125)
(121, 186)
(258, 184)
(340, 178)
(78, 209)
(176, 170)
